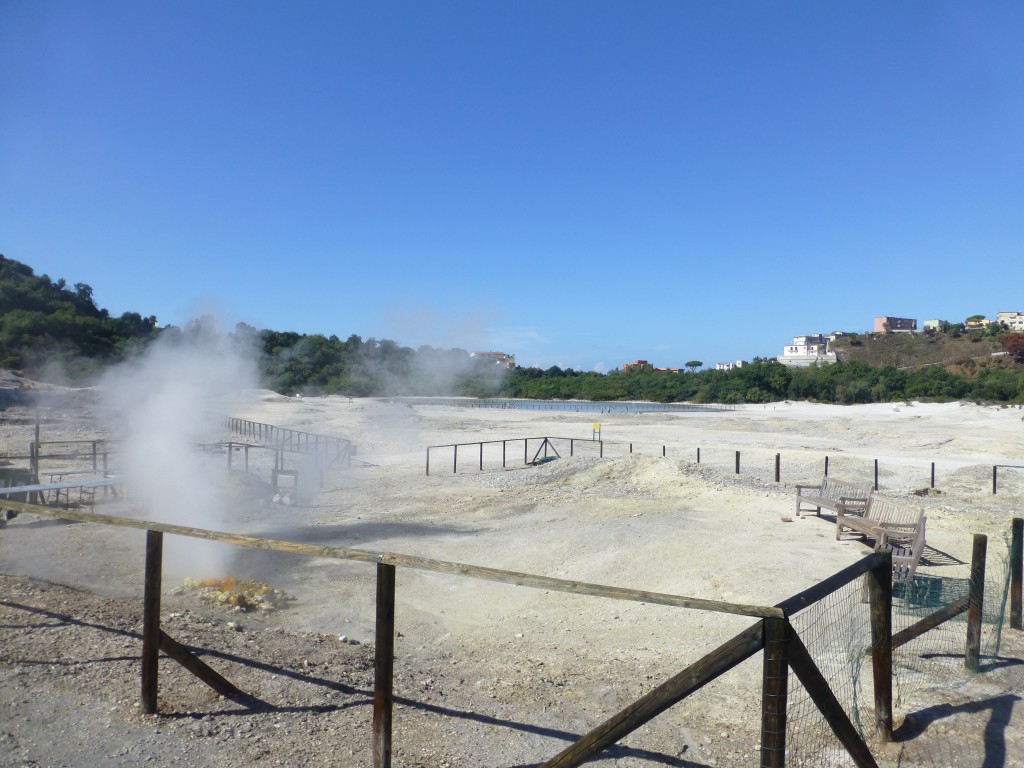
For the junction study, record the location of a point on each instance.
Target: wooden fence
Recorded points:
(549, 447)
(771, 633)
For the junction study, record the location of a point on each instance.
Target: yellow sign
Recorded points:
(597, 426)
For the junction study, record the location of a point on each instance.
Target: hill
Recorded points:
(906, 350)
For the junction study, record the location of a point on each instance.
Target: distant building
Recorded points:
(974, 323)
(932, 325)
(637, 365)
(730, 366)
(894, 324)
(643, 365)
(1012, 320)
(498, 358)
(806, 351)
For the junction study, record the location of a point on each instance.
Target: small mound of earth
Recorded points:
(240, 595)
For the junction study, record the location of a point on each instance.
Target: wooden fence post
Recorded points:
(737, 462)
(826, 466)
(972, 654)
(995, 472)
(933, 474)
(481, 457)
(876, 474)
(774, 691)
(151, 620)
(428, 461)
(778, 467)
(1016, 561)
(383, 666)
(880, 591)
(455, 459)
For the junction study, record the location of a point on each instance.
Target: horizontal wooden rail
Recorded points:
(700, 673)
(826, 587)
(410, 561)
(931, 621)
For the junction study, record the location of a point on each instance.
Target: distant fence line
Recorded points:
(547, 447)
(579, 406)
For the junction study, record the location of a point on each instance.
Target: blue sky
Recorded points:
(577, 183)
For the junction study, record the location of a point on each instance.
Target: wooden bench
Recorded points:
(830, 494)
(881, 519)
(906, 556)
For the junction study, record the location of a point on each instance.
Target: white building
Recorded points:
(730, 366)
(807, 350)
(1012, 320)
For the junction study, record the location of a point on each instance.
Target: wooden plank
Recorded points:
(825, 700)
(976, 595)
(930, 622)
(774, 692)
(1016, 561)
(383, 666)
(880, 591)
(411, 561)
(197, 666)
(151, 620)
(576, 587)
(826, 587)
(721, 660)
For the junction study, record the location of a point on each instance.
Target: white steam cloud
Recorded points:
(163, 405)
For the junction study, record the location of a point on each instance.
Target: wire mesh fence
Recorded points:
(837, 633)
(934, 661)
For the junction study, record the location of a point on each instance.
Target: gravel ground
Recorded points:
(486, 675)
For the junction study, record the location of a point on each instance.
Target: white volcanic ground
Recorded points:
(533, 667)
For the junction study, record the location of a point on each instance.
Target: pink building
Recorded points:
(890, 324)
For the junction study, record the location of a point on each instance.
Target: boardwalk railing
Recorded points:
(334, 449)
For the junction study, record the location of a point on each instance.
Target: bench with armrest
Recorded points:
(907, 554)
(830, 494)
(881, 519)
